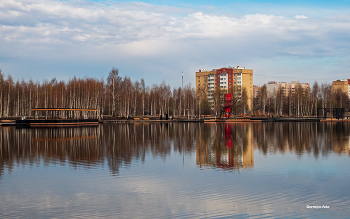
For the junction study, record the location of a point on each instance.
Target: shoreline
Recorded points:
(206, 120)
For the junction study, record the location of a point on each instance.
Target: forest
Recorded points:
(303, 102)
(116, 97)
(121, 97)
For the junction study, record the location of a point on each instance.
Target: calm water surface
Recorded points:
(184, 170)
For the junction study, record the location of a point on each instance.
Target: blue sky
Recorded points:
(321, 3)
(305, 41)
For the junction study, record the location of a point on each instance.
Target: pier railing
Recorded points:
(66, 113)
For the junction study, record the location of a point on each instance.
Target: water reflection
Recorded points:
(226, 146)
(127, 142)
(119, 144)
(78, 146)
(318, 139)
(223, 146)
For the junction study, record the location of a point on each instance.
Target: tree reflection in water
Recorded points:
(222, 145)
(299, 138)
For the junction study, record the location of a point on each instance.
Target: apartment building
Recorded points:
(271, 88)
(287, 88)
(256, 89)
(343, 85)
(236, 78)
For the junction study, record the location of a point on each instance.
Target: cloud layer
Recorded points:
(65, 38)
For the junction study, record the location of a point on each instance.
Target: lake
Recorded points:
(176, 170)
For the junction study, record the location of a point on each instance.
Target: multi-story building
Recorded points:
(342, 85)
(225, 79)
(272, 87)
(255, 90)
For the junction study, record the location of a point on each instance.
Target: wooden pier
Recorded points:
(59, 117)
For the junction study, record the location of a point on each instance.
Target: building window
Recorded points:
(234, 82)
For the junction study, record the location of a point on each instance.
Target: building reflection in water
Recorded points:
(226, 146)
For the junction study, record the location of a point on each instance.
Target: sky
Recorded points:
(157, 40)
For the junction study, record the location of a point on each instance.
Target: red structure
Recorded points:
(228, 135)
(227, 109)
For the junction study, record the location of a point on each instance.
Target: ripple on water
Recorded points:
(130, 180)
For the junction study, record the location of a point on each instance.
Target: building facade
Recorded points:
(287, 88)
(256, 90)
(225, 79)
(271, 88)
(342, 85)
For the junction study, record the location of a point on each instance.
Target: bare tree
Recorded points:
(113, 83)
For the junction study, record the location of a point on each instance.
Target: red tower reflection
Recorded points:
(228, 135)
(225, 158)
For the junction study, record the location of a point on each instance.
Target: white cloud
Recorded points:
(300, 17)
(161, 37)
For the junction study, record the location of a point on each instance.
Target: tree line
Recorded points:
(117, 96)
(120, 97)
(301, 102)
